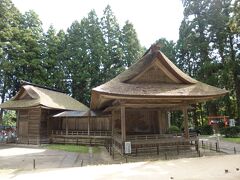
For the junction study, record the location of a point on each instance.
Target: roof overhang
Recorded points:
(105, 99)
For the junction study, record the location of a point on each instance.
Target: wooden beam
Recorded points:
(147, 106)
(111, 108)
(185, 117)
(123, 123)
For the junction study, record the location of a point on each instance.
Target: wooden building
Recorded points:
(81, 127)
(140, 98)
(35, 106)
(134, 108)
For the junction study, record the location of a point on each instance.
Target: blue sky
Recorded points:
(152, 19)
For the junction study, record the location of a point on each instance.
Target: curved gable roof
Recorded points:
(148, 60)
(177, 84)
(32, 96)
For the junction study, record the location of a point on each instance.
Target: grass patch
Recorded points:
(235, 140)
(71, 148)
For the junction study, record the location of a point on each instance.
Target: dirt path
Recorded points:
(22, 157)
(211, 168)
(17, 163)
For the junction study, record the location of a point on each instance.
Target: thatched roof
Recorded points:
(33, 96)
(153, 76)
(76, 114)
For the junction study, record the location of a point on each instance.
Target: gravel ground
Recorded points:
(209, 167)
(17, 163)
(21, 157)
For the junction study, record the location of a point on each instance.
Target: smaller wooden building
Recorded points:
(35, 105)
(78, 127)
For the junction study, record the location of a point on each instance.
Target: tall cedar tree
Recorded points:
(130, 44)
(113, 64)
(54, 62)
(77, 63)
(9, 47)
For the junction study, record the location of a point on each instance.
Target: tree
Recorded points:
(9, 118)
(97, 52)
(234, 35)
(30, 60)
(193, 48)
(9, 46)
(77, 63)
(54, 59)
(113, 64)
(91, 52)
(206, 50)
(168, 48)
(130, 44)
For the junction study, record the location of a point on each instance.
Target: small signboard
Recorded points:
(231, 122)
(128, 149)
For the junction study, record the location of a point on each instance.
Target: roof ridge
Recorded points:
(22, 82)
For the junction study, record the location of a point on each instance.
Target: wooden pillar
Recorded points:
(18, 116)
(159, 121)
(89, 114)
(162, 121)
(169, 118)
(66, 126)
(113, 123)
(123, 123)
(185, 117)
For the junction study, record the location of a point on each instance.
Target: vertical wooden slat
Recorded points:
(185, 116)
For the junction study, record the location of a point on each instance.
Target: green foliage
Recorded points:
(173, 129)
(9, 118)
(96, 49)
(206, 130)
(130, 44)
(234, 140)
(71, 148)
(114, 63)
(230, 131)
(168, 48)
(207, 50)
(176, 118)
(91, 52)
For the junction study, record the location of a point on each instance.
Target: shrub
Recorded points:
(206, 130)
(230, 131)
(9, 118)
(173, 129)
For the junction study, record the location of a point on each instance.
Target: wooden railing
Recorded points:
(81, 133)
(157, 141)
(156, 137)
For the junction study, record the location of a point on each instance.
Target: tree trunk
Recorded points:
(2, 100)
